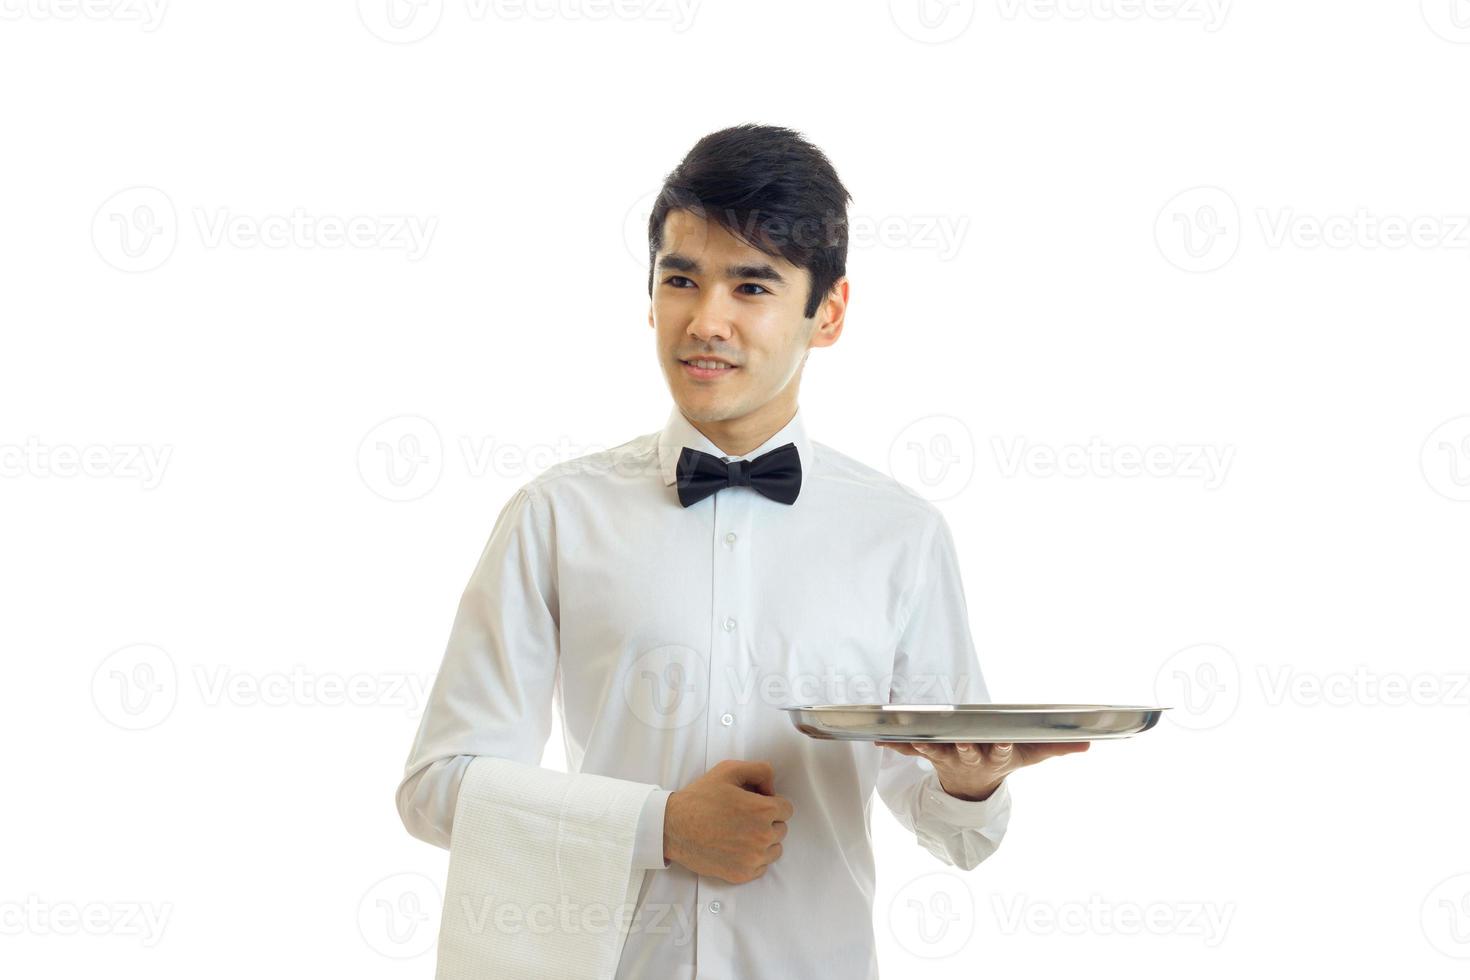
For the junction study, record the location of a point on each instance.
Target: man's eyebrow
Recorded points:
(675, 262)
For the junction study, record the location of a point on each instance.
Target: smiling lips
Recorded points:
(705, 368)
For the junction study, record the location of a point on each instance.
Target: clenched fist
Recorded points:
(728, 823)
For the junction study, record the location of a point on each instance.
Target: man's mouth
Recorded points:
(705, 368)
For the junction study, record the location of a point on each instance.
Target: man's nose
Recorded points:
(712, 319)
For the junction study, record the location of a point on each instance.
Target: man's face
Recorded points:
(716, 297)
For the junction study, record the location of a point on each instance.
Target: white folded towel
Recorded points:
(541, 882)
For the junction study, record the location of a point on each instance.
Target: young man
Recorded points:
(674, 593)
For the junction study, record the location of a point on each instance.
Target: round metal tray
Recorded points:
(972, 722)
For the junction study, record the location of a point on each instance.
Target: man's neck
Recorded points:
(736, 437)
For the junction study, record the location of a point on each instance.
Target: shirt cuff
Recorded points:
(648, 843)
(965, 813)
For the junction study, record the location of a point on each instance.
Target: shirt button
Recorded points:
(729, 625)
(715, 907)
(730, 538)
(727, 719)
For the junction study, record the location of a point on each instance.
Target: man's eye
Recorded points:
(671, 281)
(755, 285)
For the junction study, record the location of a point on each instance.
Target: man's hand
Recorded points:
(728, 823)
(974, 770)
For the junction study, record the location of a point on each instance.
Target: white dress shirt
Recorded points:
(670, 638)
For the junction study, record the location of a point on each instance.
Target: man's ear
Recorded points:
(650, 314)
(830, 315)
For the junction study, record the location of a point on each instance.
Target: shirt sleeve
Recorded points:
(936, 663)
(648, 847)
(493, 693)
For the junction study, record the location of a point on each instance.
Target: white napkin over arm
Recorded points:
(525, 842)
(540, 880)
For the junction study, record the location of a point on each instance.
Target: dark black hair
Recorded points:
(770, 188)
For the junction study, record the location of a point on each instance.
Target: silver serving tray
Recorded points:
(972, 722)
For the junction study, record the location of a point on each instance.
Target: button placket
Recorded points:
(730, 622)
(729, 660)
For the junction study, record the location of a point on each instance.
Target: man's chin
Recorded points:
(704, 407)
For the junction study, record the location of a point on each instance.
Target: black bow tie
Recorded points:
(776, 474)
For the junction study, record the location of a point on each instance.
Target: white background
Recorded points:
(1229, 231)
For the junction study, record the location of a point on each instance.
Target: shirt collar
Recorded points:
(680, 432)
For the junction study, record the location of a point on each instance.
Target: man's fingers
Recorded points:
(923, 750)
(936, 752)
(757, 776)
(948, 753)
(1034, 752)
(1061, 748)
(996, 755)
